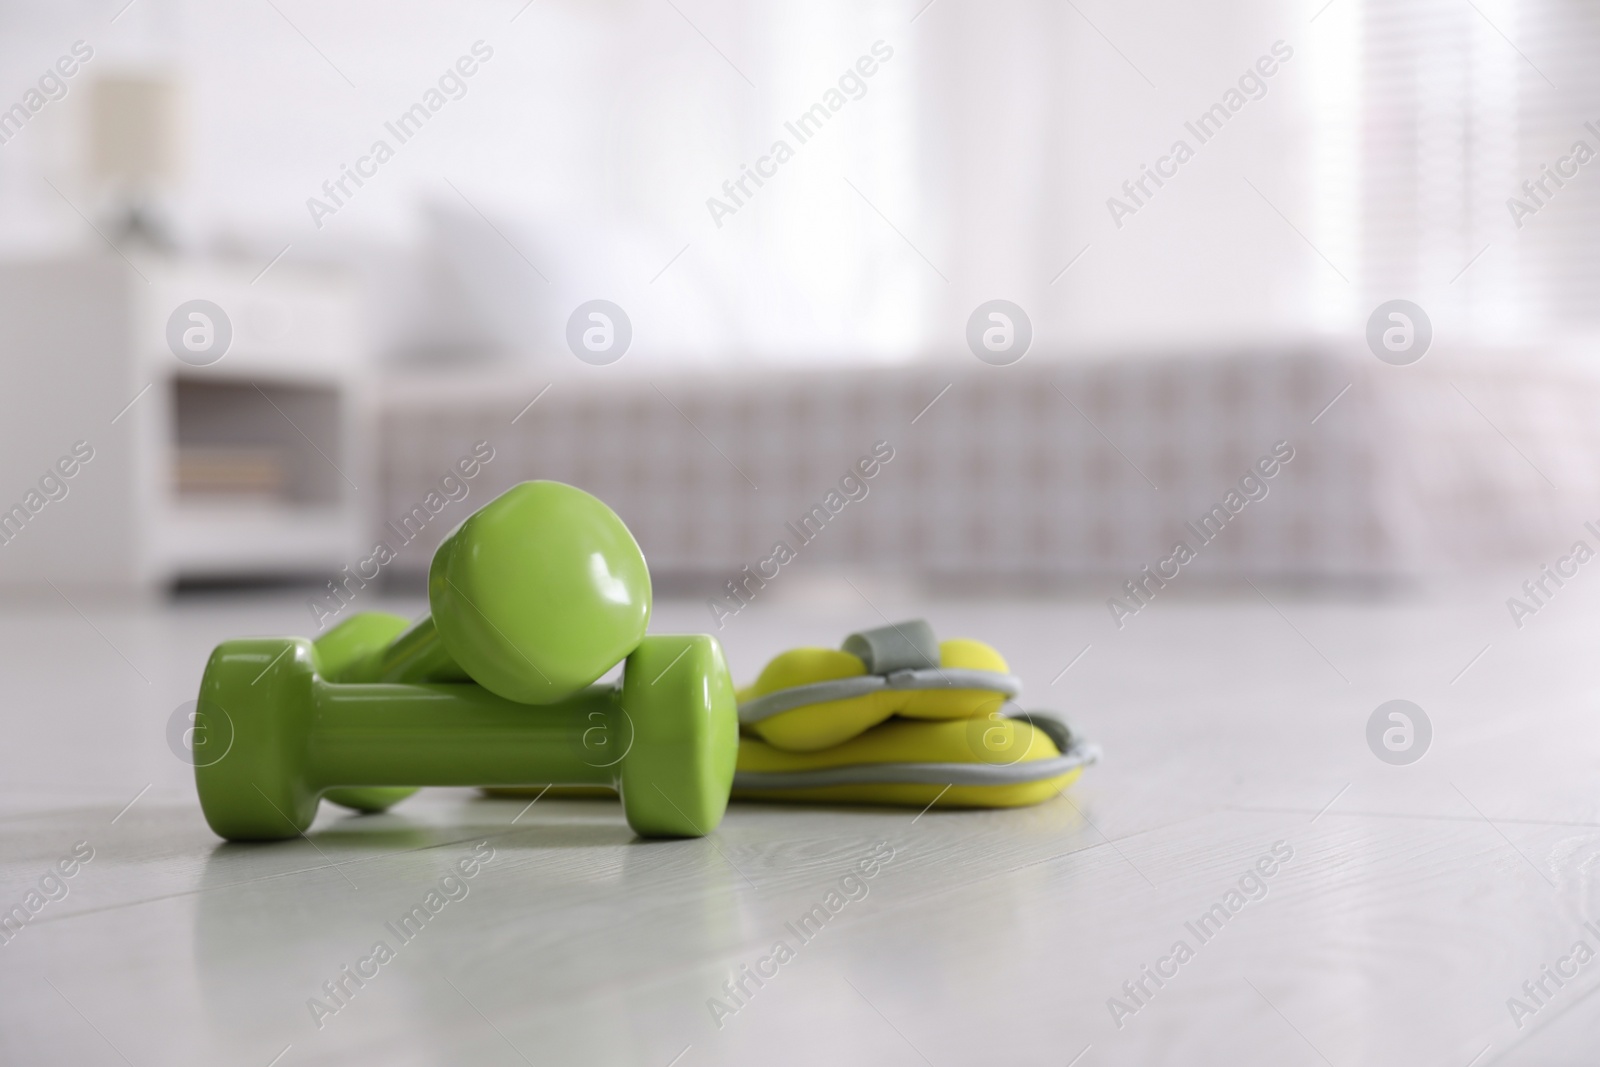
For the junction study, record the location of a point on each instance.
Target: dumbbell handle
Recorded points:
(461, 735)
(417, 654)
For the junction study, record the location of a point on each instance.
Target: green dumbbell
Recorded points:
(537, 594)
(666, 738)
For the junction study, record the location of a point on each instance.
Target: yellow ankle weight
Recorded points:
(809, 699)
(977, 763)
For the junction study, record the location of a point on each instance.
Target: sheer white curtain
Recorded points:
(1431, 114)
(824, 261)
(1561, 244)
(1436, 91)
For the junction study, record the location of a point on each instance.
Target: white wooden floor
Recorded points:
(1418, 898)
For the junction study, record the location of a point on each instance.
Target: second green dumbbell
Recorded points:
(534, 596)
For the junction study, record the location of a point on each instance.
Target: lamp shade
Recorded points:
(134, 135)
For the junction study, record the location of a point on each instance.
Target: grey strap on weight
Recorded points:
(1005, 685)
(899, 656)
(901, 646)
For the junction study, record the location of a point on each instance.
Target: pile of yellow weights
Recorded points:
(897, 717)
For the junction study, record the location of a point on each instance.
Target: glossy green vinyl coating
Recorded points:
(343, 650)
(342, 655)
(666, 739)
(682, 718)
(537, 594)
(540, 592)
(414, 654)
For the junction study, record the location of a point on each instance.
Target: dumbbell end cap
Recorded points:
(679, 701)
(256, 707)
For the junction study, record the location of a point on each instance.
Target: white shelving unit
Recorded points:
(272, 436)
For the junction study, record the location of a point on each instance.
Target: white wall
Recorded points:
(977, 165)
